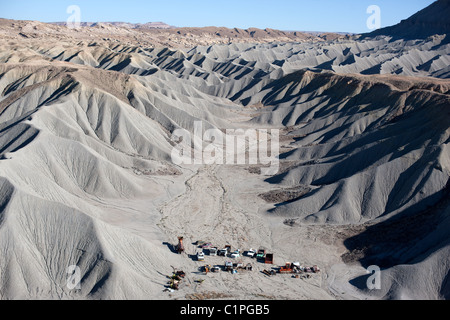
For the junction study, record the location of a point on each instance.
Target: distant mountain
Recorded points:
(155, 34)
(432, 20)
(153, 25)
(148, 25)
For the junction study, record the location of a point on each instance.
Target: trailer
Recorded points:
(269, 258)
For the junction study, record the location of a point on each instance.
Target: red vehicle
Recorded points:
(269, 258)
(287, 268)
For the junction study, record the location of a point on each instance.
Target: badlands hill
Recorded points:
(433, 20)
(148, 25)
(153, 34)
(87, 178)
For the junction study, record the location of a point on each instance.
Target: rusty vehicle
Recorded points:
(180, 247)
(287, 268)
(269, 258)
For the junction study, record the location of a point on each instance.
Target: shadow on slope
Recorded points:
(400, 239)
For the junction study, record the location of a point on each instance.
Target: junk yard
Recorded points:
(229, 249)
(216, 263)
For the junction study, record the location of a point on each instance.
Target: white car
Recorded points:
(235, 254)
(222, 252)
(251, 253)
(212, 251)
(200, 256)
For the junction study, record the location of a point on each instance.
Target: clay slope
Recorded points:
(87, 179)
(370, 151)
(347, 128)
(74, 140)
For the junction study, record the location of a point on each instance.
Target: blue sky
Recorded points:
(301, 15)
